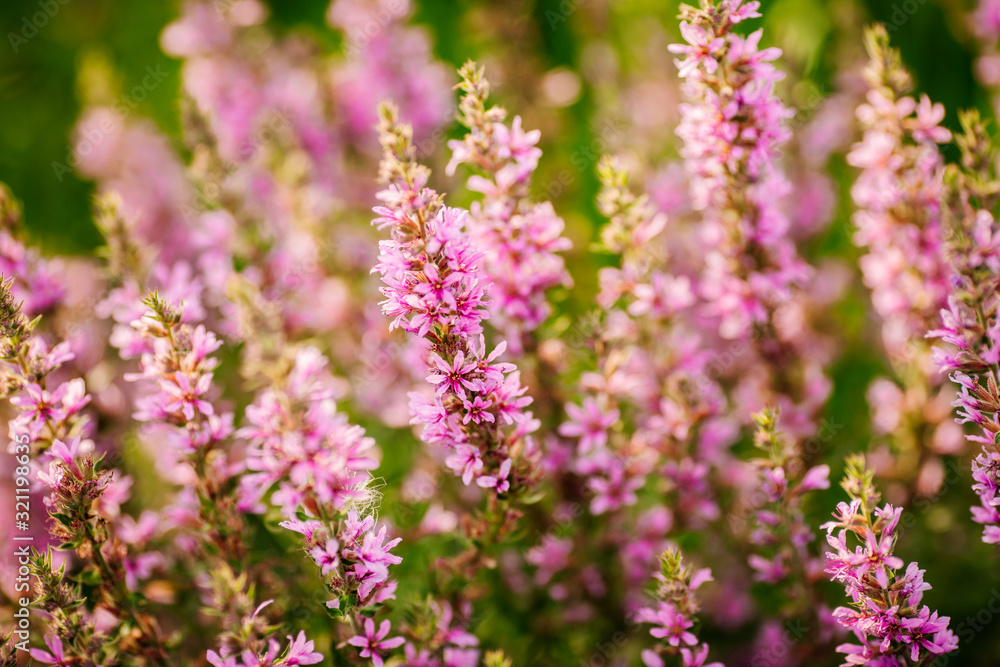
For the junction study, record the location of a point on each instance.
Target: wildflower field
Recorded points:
(513, 333)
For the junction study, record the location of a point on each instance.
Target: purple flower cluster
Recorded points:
(732, 127)
(519, 239)
(353, 559)
(435, 290)
(898, 194)
(299, 652)
(970, 326)
(886, 616)
(779, 522)
(674, 615)
(299, 441)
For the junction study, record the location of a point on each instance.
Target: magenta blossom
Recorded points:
(374, 645)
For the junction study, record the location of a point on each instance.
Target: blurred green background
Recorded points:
(40, 98)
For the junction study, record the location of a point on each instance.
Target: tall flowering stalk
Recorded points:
(178, 367)
(899, 222)
(519, 239)
(275, 137)
(50, 435)
(751, 284)
(886, 615)
(36, 283)
(435, 289)
(970, 326)
(732, 128)
(651, 364)
(780, 532)
(438, 636)
(898, 194)
(675, 614)
(320, 463)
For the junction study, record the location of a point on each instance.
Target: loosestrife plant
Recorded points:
(435, 289)
(899, 195)
(673, 617)
(969, 326)
(519, 240)
(260, 429)
(886, 616)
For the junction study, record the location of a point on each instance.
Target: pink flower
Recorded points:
(770, 571)
(663, 296)
(326, 556)
(475, 411)
(185, 395)
(55, 655)
(589, 422)
(373, 645)
(465, 460)
(673, 625)
(39, 407)
(499, 482)
(301, 651)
